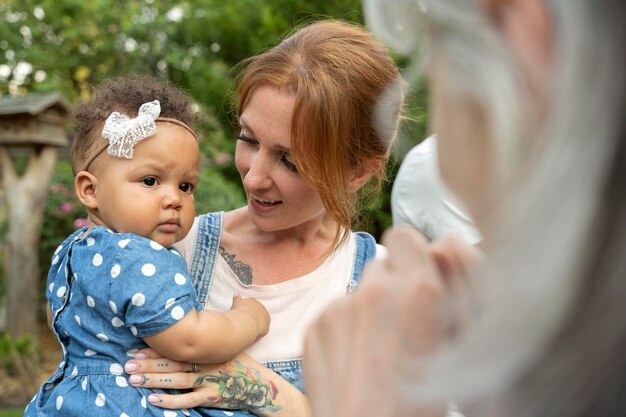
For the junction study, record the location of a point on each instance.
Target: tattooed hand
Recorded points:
(241, 384)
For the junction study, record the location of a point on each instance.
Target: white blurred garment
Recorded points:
(419, 197)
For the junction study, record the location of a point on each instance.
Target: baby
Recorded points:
(117, 285)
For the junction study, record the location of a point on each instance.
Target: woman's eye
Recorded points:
(288, 164)
(150, 181)
(186, 188)
(246, 139)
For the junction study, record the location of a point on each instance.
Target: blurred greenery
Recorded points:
(70, 46)
(12, 412)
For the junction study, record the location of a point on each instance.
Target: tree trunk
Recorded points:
(26, 198)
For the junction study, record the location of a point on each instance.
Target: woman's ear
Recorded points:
(85, 185)
(362, 174)
(527, 26)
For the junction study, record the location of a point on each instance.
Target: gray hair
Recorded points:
(551, 330)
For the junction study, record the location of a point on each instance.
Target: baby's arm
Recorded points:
(212, 336)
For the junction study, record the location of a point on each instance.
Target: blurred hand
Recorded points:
(357, 353)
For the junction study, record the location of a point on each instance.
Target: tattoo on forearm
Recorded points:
(241, 390)
(243, 271)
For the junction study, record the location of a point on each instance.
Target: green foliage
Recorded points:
(12, 412)
(18, 356)
(70, 46)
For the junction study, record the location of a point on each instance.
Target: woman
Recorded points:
(529, 98)
(308, 151)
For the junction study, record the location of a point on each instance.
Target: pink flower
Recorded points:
(67, 207)
(223, 159)
(80, 222)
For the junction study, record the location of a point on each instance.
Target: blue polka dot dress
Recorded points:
(108, 290)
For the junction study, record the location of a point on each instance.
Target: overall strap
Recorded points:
(365, 250)
(205, 253)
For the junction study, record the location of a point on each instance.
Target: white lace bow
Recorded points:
(123, 132)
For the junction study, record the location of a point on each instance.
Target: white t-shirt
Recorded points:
(293, 305)
(419, 197)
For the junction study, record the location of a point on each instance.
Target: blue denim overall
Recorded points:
(203, 265)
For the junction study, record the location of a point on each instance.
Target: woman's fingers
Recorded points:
(160, 365)
(177, 380)
(148, 353)
(182, 401)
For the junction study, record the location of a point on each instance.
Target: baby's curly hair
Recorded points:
(124, 94)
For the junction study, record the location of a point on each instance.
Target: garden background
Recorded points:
(68, 46)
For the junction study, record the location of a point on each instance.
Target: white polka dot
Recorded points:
(75, 276)
(133, 330)
(169, 413)
(58, 249)
(90, 301)
(148, 270)
(143, 402)
(55, 260)
(124, 415)
(228, 413)
(75, 371)
(59, 402)
(131, 352)
(138, 299)
(102, 337)
(51, 287)
(115, 271)
(66, 271)
(170, 302)
(61, 291)
(91, 241)
(156, 246)
(122, 243)
(84, 383)
(116, 369)
(178, 313)
(62, 364)
(117, 322)
(185, 411)
(175, 252)
(97, 259)
(180, 279)
(90, 352)
(113, 307)
(77, 318)
(100, 399)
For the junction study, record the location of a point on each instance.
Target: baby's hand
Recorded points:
(258, 312)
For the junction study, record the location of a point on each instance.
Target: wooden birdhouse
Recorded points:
(32, 127)
(33, 120)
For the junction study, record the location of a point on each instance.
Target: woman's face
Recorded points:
(278, 198)
(465, 152)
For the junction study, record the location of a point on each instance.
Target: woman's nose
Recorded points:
(258, 175)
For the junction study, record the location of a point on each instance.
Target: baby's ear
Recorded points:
(85, 185)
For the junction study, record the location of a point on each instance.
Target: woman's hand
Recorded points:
(240, 384)
(359, 351)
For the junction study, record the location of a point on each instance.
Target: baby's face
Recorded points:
(151, 194)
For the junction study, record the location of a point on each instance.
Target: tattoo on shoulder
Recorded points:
(243, 271)
(243, 389)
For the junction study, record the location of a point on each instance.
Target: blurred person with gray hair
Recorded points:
(528, 102)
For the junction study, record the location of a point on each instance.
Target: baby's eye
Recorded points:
(186, 188)
(150, 181)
